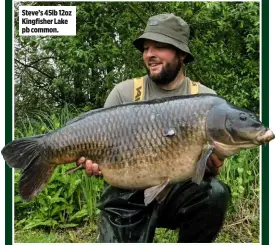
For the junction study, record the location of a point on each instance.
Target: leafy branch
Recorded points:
(35, 68)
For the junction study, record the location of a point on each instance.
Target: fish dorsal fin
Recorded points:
(84, 115)
(89, 113)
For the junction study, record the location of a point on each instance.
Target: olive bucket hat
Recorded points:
(167, 28)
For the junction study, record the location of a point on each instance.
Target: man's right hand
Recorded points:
(91, 168)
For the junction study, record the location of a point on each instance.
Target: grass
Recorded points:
(239, 228)
(242, 226)
(82, 234)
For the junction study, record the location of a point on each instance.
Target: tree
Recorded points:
(81, 70)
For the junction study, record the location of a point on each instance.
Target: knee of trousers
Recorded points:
(219, 194)
(189, 201)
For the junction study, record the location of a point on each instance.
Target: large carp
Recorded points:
(141, 145)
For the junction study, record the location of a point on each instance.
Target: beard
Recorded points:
(168, 73)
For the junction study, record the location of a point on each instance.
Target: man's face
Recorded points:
(162, 61)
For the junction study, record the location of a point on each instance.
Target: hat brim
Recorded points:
(138, 43)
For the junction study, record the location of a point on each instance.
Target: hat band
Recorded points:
(168, 32)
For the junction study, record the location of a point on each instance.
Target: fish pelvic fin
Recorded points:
(201, 164)
(25, 154)
(155, 192)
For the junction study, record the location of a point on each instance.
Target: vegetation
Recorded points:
(57, 78)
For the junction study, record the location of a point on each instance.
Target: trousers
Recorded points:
(198, 211)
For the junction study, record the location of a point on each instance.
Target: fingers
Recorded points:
(92, 168)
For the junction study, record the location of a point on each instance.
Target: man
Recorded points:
(197, 210)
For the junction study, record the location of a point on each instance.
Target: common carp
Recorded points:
(135, 143)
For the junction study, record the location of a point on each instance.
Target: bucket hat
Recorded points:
(167, 28)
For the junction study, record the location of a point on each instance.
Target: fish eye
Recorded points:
(243, 117)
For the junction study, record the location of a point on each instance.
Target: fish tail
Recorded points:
(25, 154)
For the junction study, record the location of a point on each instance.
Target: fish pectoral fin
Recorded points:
(72, 170)
(201, 164)
(156, 191)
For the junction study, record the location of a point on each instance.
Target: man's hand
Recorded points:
(214, 165)
(91, 168)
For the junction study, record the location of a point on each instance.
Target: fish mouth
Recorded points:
(264, 137)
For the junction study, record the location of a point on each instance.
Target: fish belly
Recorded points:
(143, 174)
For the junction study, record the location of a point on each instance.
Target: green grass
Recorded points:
(235, 230)
(82, 234)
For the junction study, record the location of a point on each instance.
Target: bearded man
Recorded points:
(198, 211)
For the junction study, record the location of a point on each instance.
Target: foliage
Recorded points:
(68, 199)
(61, 205)
(229, 56)
(81, 70)
(241, 172)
